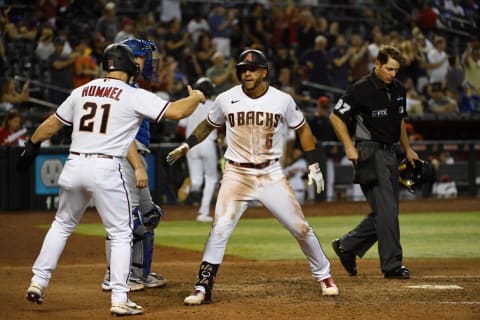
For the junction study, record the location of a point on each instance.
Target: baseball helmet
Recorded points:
(205, 85)
(412, 177)
(144, 48)
(119, 57)
(251, 57)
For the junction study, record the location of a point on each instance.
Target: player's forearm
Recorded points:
(183, 108)
(46, 130)
(200, 133)
(306, 138)
(341, 131)
(134, 157)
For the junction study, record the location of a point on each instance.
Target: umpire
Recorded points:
(374, 108)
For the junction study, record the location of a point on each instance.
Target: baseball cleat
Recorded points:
(128, 308)
(204, 218)
(153, 280)
(196, 298)
(329, 288)
(35, 293)
(346, 258)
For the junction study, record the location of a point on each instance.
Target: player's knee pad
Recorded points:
(152, 218)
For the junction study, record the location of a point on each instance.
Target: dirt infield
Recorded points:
(245, 289)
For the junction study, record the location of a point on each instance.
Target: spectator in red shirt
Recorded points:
(11, 132)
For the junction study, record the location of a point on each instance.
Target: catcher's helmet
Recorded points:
(251, 57)
(119, 57)
(144, 48)
(205, 85)
(411, 178)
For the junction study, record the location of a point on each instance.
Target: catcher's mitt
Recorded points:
(412, 177)
(27, 156)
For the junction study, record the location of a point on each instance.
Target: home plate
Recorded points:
(436, 287)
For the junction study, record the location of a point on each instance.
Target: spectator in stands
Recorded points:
(169, 10)
(16, 29)
(176, 41)
(412, 134)
(10, 96)
(359, 59)
(469, 98)
(340, 55)
(256, 26)
(414, 102)
(45, 46)
(157, 35)
(438, 61)
(455, 7)
(455, 77)
(85, 68)
(205, 49)
(316, 64)
(471, 63)
(108, 25)
(223, 77)
(374, 47)
(61, 71)
(127, 30)
(11, 132)
(221, 22)
(197, 26)
(306, 32)
(439, 102)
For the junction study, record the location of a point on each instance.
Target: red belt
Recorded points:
(96, 155)
(253, 165)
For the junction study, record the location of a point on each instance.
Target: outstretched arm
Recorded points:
(198, 135)
(184, 107)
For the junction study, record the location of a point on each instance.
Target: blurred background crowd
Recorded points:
(316, 49)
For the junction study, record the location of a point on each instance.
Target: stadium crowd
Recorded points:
(316, 49)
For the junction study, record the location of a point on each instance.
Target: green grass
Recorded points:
(432, 235)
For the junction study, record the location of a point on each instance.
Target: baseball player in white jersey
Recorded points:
(255, 115)
(202, 160)
(146, 214)
(105, 115)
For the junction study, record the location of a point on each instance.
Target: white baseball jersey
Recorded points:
(200, 113)
(105, 115)
(254, 127)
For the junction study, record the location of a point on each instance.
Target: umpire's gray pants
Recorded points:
(382, 223)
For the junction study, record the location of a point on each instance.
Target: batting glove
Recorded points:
(316, 175)
(177, 153)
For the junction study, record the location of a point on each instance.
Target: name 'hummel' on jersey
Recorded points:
(102, 92)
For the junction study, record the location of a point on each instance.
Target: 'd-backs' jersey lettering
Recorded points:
(105, 115)
(255, 127)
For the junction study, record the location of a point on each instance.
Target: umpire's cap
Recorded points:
(251, 57)
(412, 177)
(119, 57)
(205, 85)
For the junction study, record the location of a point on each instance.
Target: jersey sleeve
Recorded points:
(149, 104)
(216, 117)
(294, 116)
(65, 111)
(344, 107)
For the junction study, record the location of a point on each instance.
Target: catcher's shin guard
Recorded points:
(206, 277)
(142, 250)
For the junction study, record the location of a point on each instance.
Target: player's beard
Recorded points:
(255, 88)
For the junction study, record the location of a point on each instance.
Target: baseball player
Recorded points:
(105, 115)
(255, 115)
(146, 213)
(202, 159)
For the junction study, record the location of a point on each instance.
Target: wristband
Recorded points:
(310, 156)
(191, 141)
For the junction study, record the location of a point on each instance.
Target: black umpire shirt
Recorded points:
(373, 109)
